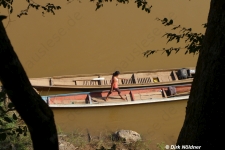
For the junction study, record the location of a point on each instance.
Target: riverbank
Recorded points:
(79, 141)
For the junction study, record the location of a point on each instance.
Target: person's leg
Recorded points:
(108, 95)
(118, 90)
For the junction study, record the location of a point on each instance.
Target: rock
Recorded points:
(128, 136)
(64, 145)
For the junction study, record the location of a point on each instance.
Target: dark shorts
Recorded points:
(116, 89)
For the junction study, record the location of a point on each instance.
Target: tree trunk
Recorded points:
(32, 109)
(203, 125)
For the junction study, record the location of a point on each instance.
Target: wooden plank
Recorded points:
(164, 93)
(141, 78)
(165, 78)
(135, 78)
(145, 80)
(148, 80)
(81, 78)
(128, 97)
(159, 78)
(107, 80)
(87, 83)
(126, 76)
(63, 102)
(98, 99)
(137, 96)
(115, 97)
(151, 78)
(129, 81)
(110, 99)
(40, 82)
(145, 96)
(62, 82)
(175, 75)
(170, 78)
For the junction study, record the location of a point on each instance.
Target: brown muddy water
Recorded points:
(158, 122)
(80, 40)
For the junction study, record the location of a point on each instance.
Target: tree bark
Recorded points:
(203, 124)
(32, 109)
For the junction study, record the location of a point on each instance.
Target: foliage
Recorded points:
(193, 40)
(143, 4)
(10, 122)
(16, 143)
(161, 146)
(48, 8)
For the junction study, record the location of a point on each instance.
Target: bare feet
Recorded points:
(106, 99)
(123, 98)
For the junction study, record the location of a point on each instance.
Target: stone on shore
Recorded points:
(128, 136)
(64, 145)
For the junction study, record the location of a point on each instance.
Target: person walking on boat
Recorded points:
(114, 85)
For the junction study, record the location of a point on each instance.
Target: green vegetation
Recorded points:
(11, 125)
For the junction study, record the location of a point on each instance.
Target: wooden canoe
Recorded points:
(103, 81)
(132, 96)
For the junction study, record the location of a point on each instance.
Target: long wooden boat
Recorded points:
(132, 96)
(103, 81)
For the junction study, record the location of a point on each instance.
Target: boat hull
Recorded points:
(132, 96)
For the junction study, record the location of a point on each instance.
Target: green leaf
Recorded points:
(2, 136)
